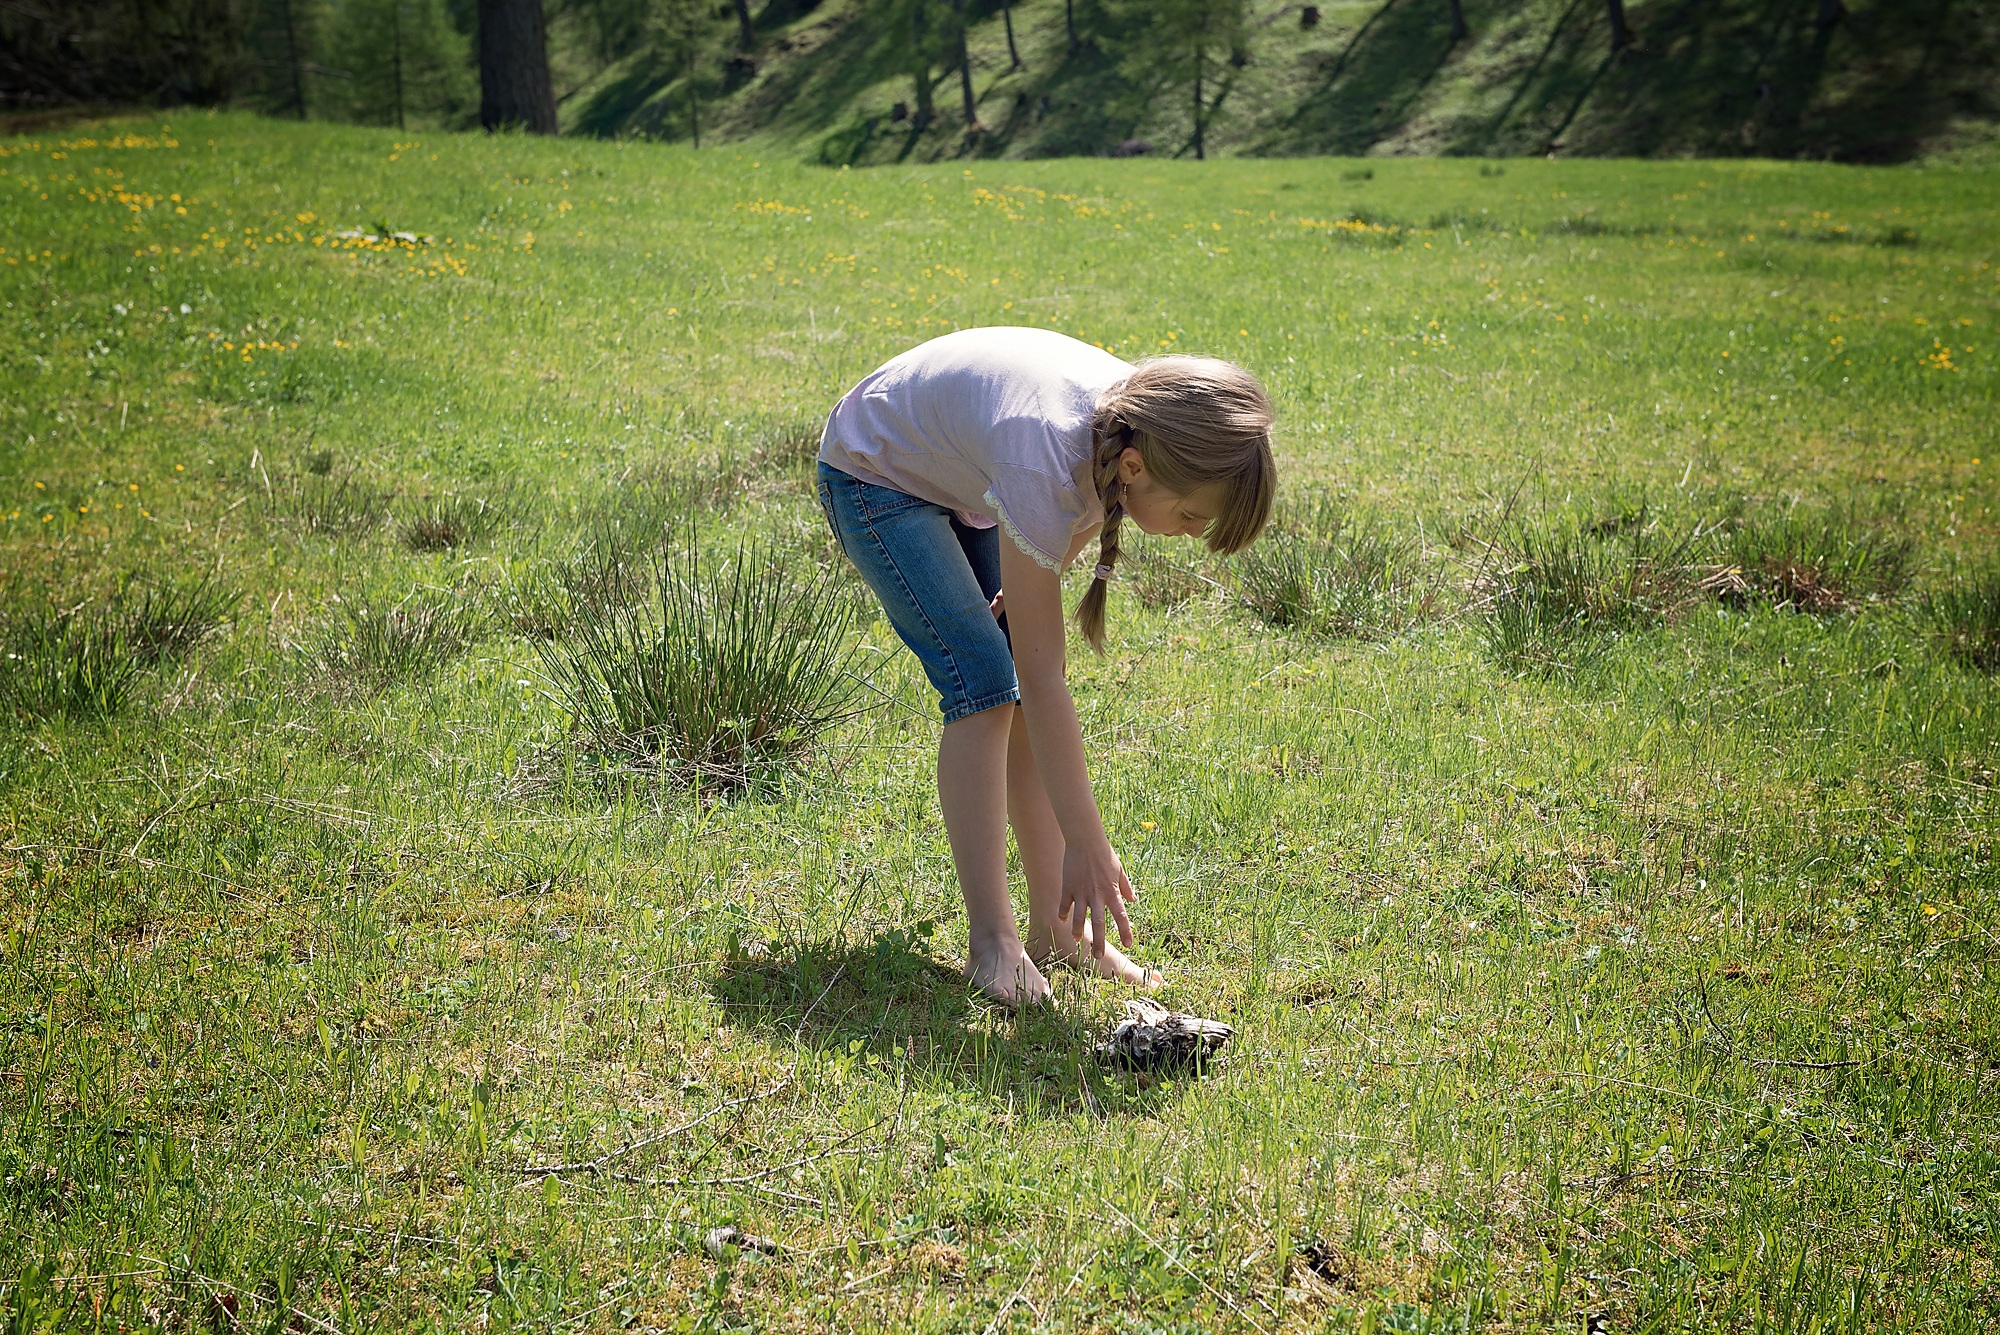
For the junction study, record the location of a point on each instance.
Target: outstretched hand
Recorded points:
(1095, 884)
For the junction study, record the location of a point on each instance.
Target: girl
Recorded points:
(922, 466)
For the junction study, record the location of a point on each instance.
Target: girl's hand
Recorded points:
(1094, 883)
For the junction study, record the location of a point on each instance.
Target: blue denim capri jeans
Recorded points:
(936, 577)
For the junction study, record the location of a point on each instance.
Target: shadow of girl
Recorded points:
(868, 1006)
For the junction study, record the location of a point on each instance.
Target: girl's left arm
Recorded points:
(1094, 880)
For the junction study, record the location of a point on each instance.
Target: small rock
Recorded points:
(1151, 1037)
(728, 1235)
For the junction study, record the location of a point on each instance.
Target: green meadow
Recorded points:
(1582, 803)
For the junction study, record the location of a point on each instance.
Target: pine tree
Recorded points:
(1181, 52)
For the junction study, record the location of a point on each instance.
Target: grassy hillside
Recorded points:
(1583, 803)
(1730, 78)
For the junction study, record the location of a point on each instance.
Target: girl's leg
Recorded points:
(1040, 842)
(972, 790)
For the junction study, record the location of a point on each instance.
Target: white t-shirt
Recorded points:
(994, 423)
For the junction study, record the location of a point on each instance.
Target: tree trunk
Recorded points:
(1069, 20)
(1200, 148)
(1830, 13)
(1458, 29)
(746, 36)
(293, 60)
(1621, 36)
(965, 71)
(514, 86)
(1013, 52)
(396, 30)
(920, 68)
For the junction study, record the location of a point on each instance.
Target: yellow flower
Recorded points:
(1147, 825)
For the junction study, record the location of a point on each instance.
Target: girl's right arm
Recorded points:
(1094, 881)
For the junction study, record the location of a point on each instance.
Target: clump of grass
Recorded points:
(1817, 560)
(324, 504)
(369, 646)
(82, 662)
(166, 620)
(68, 664)
(733, 665)
(1318, 571)
(1160, 577)
(1585, 224)
(1964, 620)
(1551, 594)
(605, 573)
(441, 523)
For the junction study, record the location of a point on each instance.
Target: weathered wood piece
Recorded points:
(1151, 1037)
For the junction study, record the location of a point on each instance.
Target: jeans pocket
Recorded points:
(882, 502)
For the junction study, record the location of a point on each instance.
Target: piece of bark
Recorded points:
(721, 1239)
(1151, 1038)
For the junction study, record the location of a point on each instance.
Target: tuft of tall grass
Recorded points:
(736, 663)
(324, 504)
(68, 664)
(166, 620)
(1552, 591)
(82, 662)
(369, 647)
(1161, 577)
(1814, 559)
(442, 523)
(1318, 571)
(1964, 619)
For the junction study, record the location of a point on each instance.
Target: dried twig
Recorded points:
(530, 1172)
(1728, 1046)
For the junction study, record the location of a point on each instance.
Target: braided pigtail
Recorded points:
(1197, 424)
(1112, 438)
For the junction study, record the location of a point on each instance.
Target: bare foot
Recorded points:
(1054, 945)
(1007, 975)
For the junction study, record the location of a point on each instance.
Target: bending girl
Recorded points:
(1054, 441)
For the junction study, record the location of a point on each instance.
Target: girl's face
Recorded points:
(1158, 511)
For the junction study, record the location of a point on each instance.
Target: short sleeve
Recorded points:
(1038, 510)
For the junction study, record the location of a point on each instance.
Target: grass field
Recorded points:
(1583, 804)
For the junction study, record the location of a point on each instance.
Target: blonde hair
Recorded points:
(1196, 422)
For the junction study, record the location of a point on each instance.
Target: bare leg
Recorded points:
(972, 790)
(1040, 842)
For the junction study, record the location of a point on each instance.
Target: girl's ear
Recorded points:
(1131, 465)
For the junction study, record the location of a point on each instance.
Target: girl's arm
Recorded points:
(1094, 881)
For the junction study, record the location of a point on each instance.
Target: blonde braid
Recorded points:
(1196, 422)
(1112, 439)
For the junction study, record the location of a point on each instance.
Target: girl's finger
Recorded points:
(1124, 922)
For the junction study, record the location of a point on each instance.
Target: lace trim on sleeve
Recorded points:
(1028, 549)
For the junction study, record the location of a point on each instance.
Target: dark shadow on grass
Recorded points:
(887, 1001)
